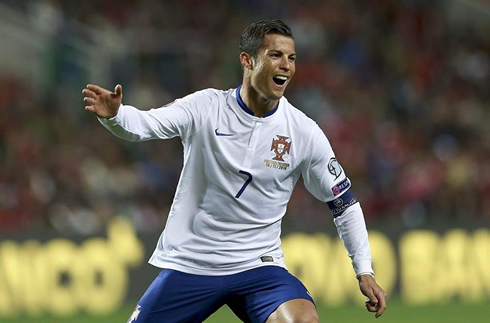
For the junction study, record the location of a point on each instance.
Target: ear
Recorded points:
(246, 60)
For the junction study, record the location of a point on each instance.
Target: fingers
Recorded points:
(372, 302)
(378, 306)
(95, 88)
(90, 97)
(381, 306)
(90, 108)
(101, 102)
(89, 100)
(372, 299)
(118, 90)
(376, 301)
(88, 93)
(369, 291)
(371, 307)
(375, 307)
(117, 94)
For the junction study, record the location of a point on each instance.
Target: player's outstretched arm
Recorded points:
(101, 102)
(376, 295)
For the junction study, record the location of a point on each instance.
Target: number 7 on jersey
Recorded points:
(244, 186)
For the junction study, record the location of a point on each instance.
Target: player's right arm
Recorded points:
(182, 117)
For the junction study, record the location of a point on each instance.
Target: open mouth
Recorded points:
(279, 79)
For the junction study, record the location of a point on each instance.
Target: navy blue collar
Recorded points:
(247, 109)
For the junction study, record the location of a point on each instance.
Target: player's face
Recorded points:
(274, 67)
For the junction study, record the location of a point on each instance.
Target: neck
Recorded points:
(255, 102)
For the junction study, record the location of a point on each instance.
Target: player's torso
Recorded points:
(251, 163)
(239, 174)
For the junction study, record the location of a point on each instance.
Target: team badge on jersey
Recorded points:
(280, 147)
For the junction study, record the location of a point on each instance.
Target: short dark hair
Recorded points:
(252, 38)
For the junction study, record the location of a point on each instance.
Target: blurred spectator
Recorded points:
(402, 93)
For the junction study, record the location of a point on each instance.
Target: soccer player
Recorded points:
(244, 151)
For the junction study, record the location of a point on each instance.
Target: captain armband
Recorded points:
(341, 203)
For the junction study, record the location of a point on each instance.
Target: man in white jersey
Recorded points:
(244, 151)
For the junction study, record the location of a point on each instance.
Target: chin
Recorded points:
(278, 94)
(273, 97)
(275, 93)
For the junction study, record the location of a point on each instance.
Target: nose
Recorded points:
(285, 64)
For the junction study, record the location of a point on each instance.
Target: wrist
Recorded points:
(366, 275)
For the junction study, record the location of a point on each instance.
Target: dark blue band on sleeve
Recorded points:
(341, 203)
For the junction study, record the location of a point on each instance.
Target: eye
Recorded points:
(292, 58)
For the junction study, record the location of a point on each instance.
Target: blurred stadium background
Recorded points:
(401, 88)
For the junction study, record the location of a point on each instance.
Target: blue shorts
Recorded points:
(253, 295)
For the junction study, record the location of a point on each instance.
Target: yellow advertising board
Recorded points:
(60, 277)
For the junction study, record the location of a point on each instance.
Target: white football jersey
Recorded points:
(238, 175)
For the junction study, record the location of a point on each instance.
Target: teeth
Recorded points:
(280, 77)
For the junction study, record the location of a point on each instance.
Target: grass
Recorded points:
(397, 312)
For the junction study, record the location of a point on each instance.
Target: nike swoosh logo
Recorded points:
(221, 134)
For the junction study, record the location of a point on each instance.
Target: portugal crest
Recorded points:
(280, 146)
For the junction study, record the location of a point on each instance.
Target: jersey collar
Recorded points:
(247, 109)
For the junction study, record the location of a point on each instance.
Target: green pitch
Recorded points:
(397, 312)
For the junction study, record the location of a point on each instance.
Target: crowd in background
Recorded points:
(402, 93)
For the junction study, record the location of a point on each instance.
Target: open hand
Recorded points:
(101, 102)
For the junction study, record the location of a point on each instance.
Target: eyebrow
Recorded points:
(280, 52)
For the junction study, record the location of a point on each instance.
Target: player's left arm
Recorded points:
(352, 230)
(327, 181)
